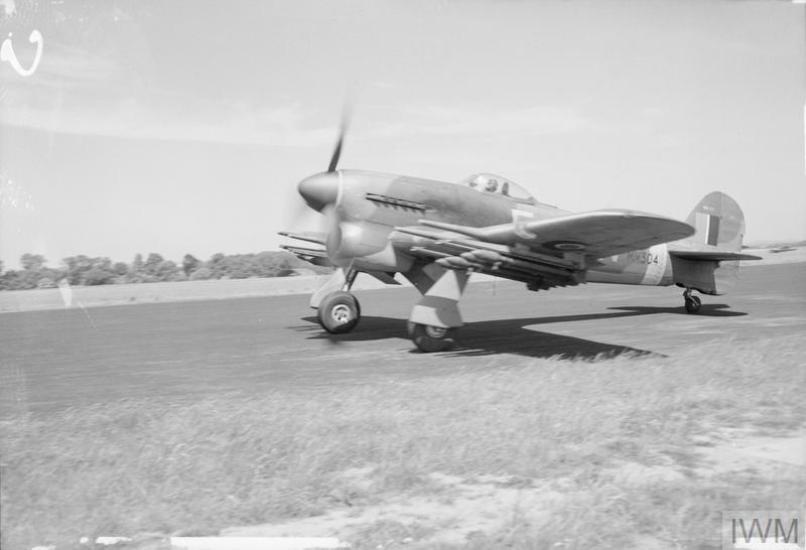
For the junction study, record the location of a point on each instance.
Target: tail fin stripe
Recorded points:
(713, 230)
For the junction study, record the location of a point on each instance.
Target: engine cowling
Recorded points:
(365, 245)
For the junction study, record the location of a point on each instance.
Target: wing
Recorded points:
(455, 251)
(595, 234)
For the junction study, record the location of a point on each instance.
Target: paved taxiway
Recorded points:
(55, 359)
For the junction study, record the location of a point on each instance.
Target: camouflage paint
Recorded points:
(370, 205)
(362, 238)
(651, 266)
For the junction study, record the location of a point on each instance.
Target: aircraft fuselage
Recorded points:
(370, 205)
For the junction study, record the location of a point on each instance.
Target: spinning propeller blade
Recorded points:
(320, 192)
(343, 127)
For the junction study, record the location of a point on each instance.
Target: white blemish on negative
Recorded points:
(8, 55)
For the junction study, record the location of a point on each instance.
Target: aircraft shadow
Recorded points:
(707, 310)
(484, 338)
(514, 335)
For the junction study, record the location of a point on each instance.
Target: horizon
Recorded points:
(58, 263)
(184, 128)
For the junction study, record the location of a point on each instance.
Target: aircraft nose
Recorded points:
(320, 190)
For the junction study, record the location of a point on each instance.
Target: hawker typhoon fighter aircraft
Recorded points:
(435, 234)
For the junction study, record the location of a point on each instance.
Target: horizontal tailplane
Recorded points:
(713, 256)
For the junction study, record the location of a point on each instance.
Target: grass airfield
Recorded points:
(594, 417)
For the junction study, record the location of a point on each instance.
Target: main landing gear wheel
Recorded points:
(339, 312)
(693, 303)
(429, 339)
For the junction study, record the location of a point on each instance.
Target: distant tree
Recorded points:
(97, 276)
(120, 268)
(85, 270)
(5, 280)
(152, 263)
(54, 275)
(201, 274)
(136, 273)
(167, 270)
(137, 263)
(238, 273)
(190, 264)
(233, 266)
(32, 262)
(284, 268)
(273, 264)
(77, 269)
(29, 277)
(20, 280)
(264, 264)
(102, 263)
(46, 282)
(218, 265)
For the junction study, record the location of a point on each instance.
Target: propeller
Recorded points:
(346, 115)
(320, 192)
(329, 223)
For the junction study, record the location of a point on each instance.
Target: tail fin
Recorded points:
(697, 262)
(719, 223)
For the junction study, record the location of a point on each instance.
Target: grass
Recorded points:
(566, 426)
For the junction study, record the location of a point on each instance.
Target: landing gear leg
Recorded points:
(693, 303)
(338, 311)
(436, 316)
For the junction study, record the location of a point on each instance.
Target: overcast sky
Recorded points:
(178, 127)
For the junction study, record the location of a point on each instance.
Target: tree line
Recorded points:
(89, 271)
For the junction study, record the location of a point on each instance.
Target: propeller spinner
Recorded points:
(320, 191)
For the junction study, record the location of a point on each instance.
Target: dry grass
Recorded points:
(568, 426)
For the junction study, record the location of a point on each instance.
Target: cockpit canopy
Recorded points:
(499, 185)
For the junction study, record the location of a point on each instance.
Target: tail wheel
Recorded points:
(693, 304)
(339, 312)
(429, 338)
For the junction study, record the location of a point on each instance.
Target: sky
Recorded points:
(184, 127)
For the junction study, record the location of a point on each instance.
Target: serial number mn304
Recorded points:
(642, 257)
